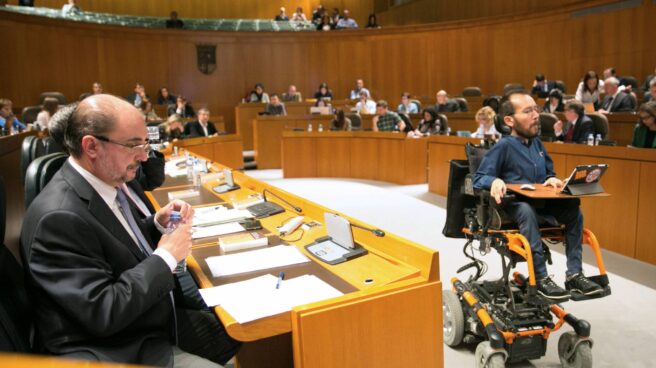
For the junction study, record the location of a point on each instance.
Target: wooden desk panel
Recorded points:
(227, 149)
(364, 158)
(646, 232)
(300, 158)
(439, 156)
(333, 157)
(391, 160)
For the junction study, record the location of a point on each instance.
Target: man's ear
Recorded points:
(509, 121)
(90, 146)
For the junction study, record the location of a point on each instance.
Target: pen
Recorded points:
(281, 276)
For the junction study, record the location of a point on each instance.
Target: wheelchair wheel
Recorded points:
(493, 361)
(453, 319)
(581, 357)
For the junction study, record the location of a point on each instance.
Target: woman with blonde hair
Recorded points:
(171, 130)
(485, 118)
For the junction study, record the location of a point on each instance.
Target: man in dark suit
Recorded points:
(181, 108)
(578, 125)
(101, 287)
(138, 96)
(444, 104)
(203, 127)
(542, 86)
(615, 99)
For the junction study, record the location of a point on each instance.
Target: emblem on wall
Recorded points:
(206, 58)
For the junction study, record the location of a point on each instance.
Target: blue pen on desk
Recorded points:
(281, 276)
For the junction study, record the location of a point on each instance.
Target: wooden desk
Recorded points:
(15, 360)
(389, 157)
(623, 223)
(224, 148)
(394, 321)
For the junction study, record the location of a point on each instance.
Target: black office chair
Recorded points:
(600, 123)
(58, 95)
(462, 103)
(501, 126)
(512, 87)
(630, 81)
(39, 174)
(408, 123)
(31, 145)
(472, 92)
(356, 121)
(51, 146)
(560, 85)
(547, 121)
(29, 114)
(15, 310)
(444, 123)
(416, 102)
(493, 102)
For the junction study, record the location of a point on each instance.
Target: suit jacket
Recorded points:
(621, 103)
(133, 96)
(583, 127)
(540, 92)
(194, 129)
(449, 106)
(95, 293)
(188, 113)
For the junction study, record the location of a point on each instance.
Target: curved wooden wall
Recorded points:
(42, 55)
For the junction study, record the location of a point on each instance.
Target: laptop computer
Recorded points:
(585, 180)
(320, 110)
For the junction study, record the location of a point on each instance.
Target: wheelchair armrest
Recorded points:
(486, 198)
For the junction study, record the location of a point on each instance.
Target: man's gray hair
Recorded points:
(612, 80)
(91, 117)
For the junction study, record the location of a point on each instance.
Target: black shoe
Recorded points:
(549, 289)
(581, 284)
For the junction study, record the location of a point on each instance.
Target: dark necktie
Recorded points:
(609, 103)
(129, 217)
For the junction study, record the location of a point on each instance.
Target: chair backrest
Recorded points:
(472, 91)
(51, 146)
(631, 81)
(408, 123)
(417, 102)
(547, 121)
(58, 95)
(600, 123)
(634, 100)
(560, 85)
(356, 121)
(456, 200)
(444, 123)
(29, 114)
(39, 174)
(493, 102)
(462, 102)
(26, 153)
(512, 87)
(501, 126)
(38, 149)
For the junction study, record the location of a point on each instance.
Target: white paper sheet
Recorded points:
(216, 230)
(254, 260)
(217, 215)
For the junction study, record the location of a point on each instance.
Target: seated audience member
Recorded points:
(282, 15)
(275, 107)
(444, 104)
(359, 87)
(258, 94)
(164, 97)
(371, 22)
(298, 15)
(430, 124)
(651, 93)
(48, 109)
(406, 106)
(318, 13)
(554, 102)
(385, 120)
(202, 127)
(96, 88)
(611, 72)
(114, 272)
(577, 126)
(173, 21)
(9, 124)
(341, 122)
(365, 105)
(644, 133)
(181, 108)
(324, 24)
(324, 102)
(172, 129)
(346, 22)
(335, 17)
(589, 89)
(292, 95)
(146, 109)
(615, 99)
(70, 8)
(541, 86)
(485, 118)
(138, 95)
(646, 85)
(521, 158)
(323, 92)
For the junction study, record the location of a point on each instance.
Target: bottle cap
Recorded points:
(175, 216)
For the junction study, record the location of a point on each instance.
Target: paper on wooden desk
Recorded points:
(254, 260)
(216, 230)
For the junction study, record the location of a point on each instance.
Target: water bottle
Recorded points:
(190, 167)
(597, 139)
(309, 128)
(175, 151)
(320, 129)
(448, 131)
(590, 139)
(197, 170)
(174, 220)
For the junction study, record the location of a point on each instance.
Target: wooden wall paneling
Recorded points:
(391, 159)
(299, 156)
(646, 232)
(364, 158)
(333, 157)
(416, 162)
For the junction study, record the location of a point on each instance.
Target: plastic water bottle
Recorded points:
(190, 167)
(591, 140)
(320, 129)
(197, 170)
(597, 139)
(175, 151)
(174, 221)
(309, 128)
(448, 131)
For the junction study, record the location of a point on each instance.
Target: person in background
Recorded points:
(292, 95)
(282, 15)
(298, 15)
(164, 97)
(577, 127)
(181, 108)
(48, 109)
(651, 93)
(324, 24)
(371, 22)
(70, 8)
(406, 106)
(346, 22)
(174, 21)
(138, 95)
(589, 89)
(645, 86)
(430, 124)
(385, 120)
(317, 14)
(323, 92)
(341, 122)
(359, 87)
(541, 86)
(615, 100)
(444, 104)
(275, 107)
(146, 109)
(335, 17)
(9, 124)
(611, 72)
(96, 88)
(323, 102)
(554, 102)
(202, 127)
(172, 129)
(365, 105)
(258, 94)
(644, 133)
(485, 119)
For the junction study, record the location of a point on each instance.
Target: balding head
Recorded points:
(441, 97)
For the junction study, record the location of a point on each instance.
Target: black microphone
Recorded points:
(377, 232)
(296, 208)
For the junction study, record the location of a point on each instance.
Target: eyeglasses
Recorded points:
(643, 117)
(133, 147)
(531, 109)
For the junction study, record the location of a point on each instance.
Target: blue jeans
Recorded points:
(565, 211)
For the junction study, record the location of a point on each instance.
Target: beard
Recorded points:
(528, 133)
(118, 175)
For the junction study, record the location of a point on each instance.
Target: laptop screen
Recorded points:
(586, 174)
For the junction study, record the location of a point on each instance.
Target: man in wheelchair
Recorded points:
(521, 158)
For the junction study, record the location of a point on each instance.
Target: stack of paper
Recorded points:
(258, 298)
(214, 215)
(254, 260)
(216, 230)
(241, 241)
(171, 167)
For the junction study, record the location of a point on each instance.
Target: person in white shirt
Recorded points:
(346, 22)
(359, 87)
(485, 118)
(589, 89)
(299, 16)
(48, 109)
(365, 105)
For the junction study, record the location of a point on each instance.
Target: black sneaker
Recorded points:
(581, 284)
(549, 289)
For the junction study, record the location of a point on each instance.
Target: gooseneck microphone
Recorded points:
(377, 232)
(296, 208)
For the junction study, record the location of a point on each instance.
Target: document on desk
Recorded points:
(254, 260)
(257, 298)
(215, 215)
(216, 230)
(171, 168)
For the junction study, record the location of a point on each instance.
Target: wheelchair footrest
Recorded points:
(577, 297)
